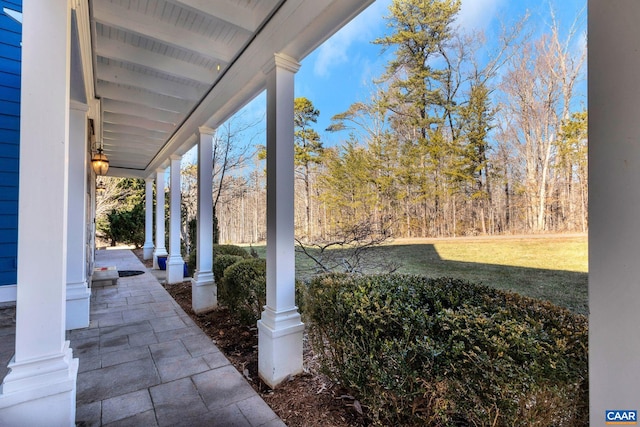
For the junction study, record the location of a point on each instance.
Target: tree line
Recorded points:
(454, 140)
(450, 143)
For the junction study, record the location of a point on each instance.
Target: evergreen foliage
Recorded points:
(218, 250)
(308, 148)
(442, 352)
(125, 223)
(245, 288)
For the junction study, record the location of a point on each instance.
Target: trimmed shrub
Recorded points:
(230, 250)
(443, 352)
(245, 289)
(218, 250)
(220, 264)
(302, 295)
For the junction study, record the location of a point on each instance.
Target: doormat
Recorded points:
(129, 273)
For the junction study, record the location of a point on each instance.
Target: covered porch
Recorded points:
(143, 83)
(142, 360)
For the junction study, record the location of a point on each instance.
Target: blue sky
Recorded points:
(340, 72)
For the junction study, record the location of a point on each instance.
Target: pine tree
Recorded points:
(308, 150)
(421, 92)
(476, 121)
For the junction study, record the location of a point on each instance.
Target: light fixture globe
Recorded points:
(100, 162)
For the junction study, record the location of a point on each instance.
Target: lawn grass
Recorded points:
(550, 268)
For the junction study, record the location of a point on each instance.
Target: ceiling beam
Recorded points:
(125, 119)
(137, 139)
(112, 15)
(124, 52)
(133, 151)
(134, 130)
(142, 111)
(127, 172)
(123, 76)
(162, 102)
(223, 11)
(126, 158)
(124, 164)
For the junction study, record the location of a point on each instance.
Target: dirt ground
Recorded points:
(307, 400)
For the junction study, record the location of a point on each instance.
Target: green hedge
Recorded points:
(231, 250)
(220, 264)
(245, 289)
(217, 250)
(443, 352)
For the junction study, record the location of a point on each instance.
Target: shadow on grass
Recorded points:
(564, 288)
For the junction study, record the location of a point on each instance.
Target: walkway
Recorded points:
(144, 362)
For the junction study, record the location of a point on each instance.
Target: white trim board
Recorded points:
(8, 293)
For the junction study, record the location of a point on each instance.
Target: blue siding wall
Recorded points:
(10, 36)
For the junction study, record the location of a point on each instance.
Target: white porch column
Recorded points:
(175, 263)
(204, 294)
(160, 249)
(280, 328)
(78, 293)
(614, 207)
(147, 249)
(40, 388)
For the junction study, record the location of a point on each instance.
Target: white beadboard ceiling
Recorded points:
(163, 68)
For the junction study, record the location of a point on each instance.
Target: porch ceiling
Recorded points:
(162, 68)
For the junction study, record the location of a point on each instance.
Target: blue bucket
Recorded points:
(162, 262)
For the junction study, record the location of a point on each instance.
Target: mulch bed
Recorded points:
(307, 400)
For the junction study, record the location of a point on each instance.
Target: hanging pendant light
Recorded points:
(100, 162)
(101, 188)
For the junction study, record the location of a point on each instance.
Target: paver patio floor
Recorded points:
(144, 362)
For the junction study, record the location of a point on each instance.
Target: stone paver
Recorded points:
(104, 383)
(144, 419)
(176, 400)
(143, 362)
(221, 387)
(126, 406)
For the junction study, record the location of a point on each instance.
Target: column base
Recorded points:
(204, 292)
(279, 345)
(147, 251)
(40, 392)
(175, 269)
(156, 253)
(77, 312)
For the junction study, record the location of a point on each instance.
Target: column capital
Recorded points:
(149, 179)
(160, 170)
(205, 130)
(175, 157)
(280, 60)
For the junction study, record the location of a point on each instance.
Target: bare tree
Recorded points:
(350, 250)
(539, 91)
(108, 198)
